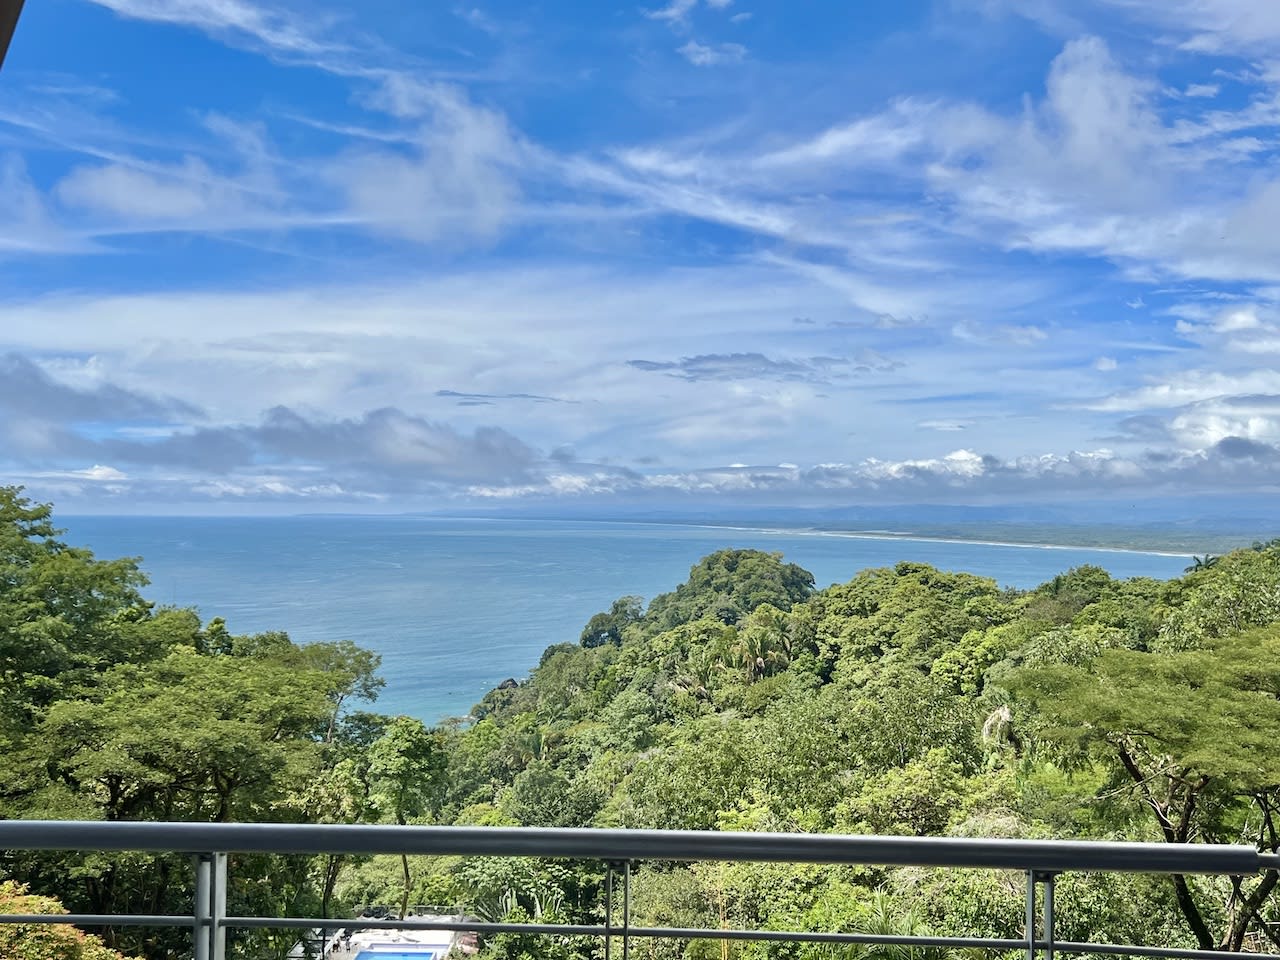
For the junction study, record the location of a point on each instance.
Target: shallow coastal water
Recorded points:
(454, 606)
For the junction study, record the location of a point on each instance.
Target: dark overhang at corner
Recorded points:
(9, 12)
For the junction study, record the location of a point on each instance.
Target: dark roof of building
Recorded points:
(9, 11)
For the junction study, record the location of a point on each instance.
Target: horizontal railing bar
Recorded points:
(990, 943)
(675, 933)
(701, 933)
(592, 844)
(553, 929)
(678, 933)
(681, 933)
(1177, 953)
(102, 919)
(1269, 861)
(706, 933)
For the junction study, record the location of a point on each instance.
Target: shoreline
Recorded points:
(925, 538)
(880, 534)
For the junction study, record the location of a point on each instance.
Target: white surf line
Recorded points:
(919, 538)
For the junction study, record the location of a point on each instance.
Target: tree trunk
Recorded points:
(404, 897)
(332, 867)
(1191, 913)
(1173, 833)
(1249, 905)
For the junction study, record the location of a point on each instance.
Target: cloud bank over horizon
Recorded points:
(708, 252)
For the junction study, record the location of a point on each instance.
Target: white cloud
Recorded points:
(1020, 336)
(1207, 425)
(1250, 328)
(963, 464)
(675, 12)
(1091, 168)
(1233, 320)
(1214, 26)
(881, 138)
(459, 181)
(100, 473)
(277, 29)
(1233, 461)
(703, 55)
(26, 224)
(1095, 129)
(1228, 27)
(1190, 386)
(189, 191)
(127, 192)
(1105, 364)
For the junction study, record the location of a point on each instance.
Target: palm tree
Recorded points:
(887, 920)
(764, 642)
(693, 676)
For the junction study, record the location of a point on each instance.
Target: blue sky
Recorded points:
(258, 255)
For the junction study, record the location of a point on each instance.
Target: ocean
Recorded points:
(455, 606)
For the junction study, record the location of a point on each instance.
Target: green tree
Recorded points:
(407, 771)
(919, 798)
(608, 627)
(763, 642)
(44, 941)
(64, 615)
(1239, 591)
(1194, 733)
(729, 584)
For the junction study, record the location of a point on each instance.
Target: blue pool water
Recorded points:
(396, 955)
(455, 606)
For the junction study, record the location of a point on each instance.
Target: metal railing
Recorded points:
(1040, 860)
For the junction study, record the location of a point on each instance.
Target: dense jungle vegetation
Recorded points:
(908, 700)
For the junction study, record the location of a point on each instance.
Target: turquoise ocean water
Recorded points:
(455, 606)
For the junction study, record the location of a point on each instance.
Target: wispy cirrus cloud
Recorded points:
(465, 398)
(275, 28)
(756, 366)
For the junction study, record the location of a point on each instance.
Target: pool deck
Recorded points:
(440, 942)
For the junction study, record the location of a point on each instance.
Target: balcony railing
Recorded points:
(1040, 860)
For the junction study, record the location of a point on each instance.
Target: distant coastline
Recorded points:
(915, 537)
(1169, 539)
(1030, 536)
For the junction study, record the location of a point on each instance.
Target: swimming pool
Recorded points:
(397, 954)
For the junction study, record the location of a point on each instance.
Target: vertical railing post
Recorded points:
(626, 910)
(1047, 921)
(217, 916)
(202, 911)
(1031, 915)
(608, 910)
(1045, 942)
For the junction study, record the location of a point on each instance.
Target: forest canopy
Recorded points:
(907, 700)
